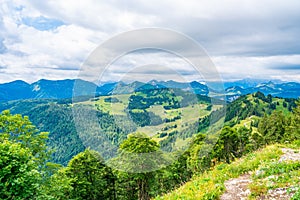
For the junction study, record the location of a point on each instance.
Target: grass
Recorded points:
(158, 110)
(210, 185)
(193, 113)
(274, 175)
(277, 175)
(189, 115)
(294, 145)
(182, 143)
(247, 123)
(108, 107)
(296, 195)
(150, 130)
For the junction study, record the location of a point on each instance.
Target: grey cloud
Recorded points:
(155, 69)
(3, 48)
(63, 68)
(68, 68)
(245, 37)
(287, 67)
(241, 29)
(17, 53)
(246, 28)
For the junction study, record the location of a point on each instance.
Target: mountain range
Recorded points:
(285, 90)
(62, 89)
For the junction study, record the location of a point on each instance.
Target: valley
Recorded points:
(195, 138)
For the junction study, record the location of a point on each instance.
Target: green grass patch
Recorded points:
(274, 175)
(210, 185)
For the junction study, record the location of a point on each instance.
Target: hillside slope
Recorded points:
(173, 125)
(269, 168)
(158, 113)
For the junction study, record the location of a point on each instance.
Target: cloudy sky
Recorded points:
(244, 38)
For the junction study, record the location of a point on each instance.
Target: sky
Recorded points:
(243, 38)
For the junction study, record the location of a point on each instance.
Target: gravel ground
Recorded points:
(237, 188)
(279, 193)
(290, 155)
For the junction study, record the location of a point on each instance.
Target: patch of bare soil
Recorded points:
(237, 188)
(290, 155)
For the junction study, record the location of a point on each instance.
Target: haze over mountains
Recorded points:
(61, 89)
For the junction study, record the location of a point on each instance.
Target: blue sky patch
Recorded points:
(42, 23)
(2, 46)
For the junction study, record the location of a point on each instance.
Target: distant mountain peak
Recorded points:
(16, 82)
(153, 82)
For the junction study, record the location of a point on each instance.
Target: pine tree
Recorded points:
(293, 129)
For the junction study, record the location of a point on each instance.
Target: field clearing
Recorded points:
(117, 108)
(188, 115)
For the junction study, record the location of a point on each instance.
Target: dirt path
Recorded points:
(237, 188)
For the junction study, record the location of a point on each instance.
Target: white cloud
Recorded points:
(244, 38)
(258, 67)
(147, 65)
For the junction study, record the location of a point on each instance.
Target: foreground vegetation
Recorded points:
(27, 173)
(210, 185)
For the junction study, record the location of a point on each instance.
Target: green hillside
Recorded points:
(251, 122)
(169, 117)
(260, 165)
(169, 122)
(158, 113)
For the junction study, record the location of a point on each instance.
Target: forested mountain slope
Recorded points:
(168, 128)
(253, 121)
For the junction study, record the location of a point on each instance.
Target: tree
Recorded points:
(227, 146)
(57, 187)
(89, 177)
(196, 154)
(19, 175)
(138, 157)
(293, 129)
(16, 128)
(23, 157)
(272, 127)
(173, 175)
(243, 136)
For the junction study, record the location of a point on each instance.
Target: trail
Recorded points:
(237, 188)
